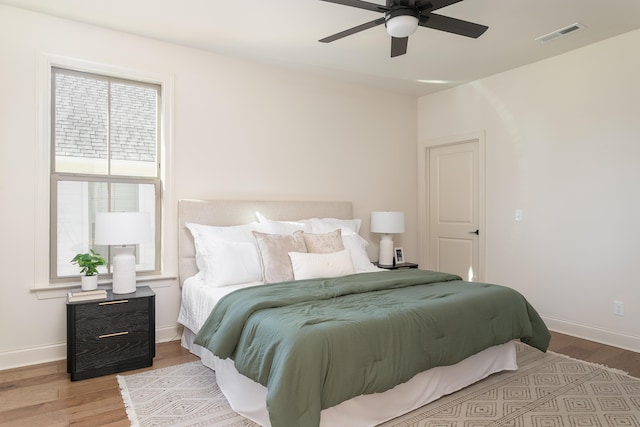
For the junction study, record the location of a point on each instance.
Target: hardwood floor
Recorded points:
(590, 351)
(42, 395)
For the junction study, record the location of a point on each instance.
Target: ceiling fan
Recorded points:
(402, 18)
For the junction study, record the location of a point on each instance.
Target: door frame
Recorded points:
(424, 199)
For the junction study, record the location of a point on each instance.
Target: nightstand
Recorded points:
(111, 335)
(397, 266)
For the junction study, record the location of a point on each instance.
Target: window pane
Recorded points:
(78, 202)
(80, 124)
(133, 130)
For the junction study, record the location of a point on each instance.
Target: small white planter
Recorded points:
(89, 283)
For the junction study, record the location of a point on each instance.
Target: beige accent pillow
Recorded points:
(313, 266)
(274, 254)
(324, 243)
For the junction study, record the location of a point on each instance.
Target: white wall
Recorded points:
(563, 145)
(240, 130)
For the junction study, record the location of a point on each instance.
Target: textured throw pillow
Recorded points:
(274, 254)
(324, 243)
(313, 266)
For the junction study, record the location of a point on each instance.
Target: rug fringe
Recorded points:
(597, 365)
(128, 403)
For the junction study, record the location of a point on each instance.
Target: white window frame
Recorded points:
(168, 244)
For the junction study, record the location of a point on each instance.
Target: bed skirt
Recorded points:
(248, 398)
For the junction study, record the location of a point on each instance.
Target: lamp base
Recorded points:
(124, 270)
(386, 250)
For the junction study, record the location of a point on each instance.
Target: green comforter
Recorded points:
(316, 343)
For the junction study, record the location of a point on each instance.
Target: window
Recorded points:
(105, 152)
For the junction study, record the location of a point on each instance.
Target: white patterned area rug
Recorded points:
(547, 390)
(182, 395)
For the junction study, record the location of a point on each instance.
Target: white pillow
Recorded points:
(231, 233)
(230, 263)
(311, 225)
(357, 246)
(325, 225)
(312, 266)
(209, 244)
(283, 227)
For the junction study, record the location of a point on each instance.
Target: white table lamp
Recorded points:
(121, 229)
(387, 223)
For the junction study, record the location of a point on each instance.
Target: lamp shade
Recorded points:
(387, 222)
(122, 228)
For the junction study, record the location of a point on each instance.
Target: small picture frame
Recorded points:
(398, 255)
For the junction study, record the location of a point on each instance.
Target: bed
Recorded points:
(390, 381)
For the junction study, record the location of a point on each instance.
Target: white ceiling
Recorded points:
(286, 33)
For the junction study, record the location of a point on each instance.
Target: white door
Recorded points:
(454, 209)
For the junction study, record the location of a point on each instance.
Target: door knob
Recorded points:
(477, 232)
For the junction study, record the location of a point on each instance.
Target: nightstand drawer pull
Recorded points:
(115, 334)
(122, 301)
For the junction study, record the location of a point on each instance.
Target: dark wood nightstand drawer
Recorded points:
(107, 350)
(101, 318)
(112, 335)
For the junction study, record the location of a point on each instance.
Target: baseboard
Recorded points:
(33, 355)
(602, 336)
(169, 333)
(55, 352)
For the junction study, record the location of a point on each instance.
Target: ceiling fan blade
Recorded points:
(452, 25)
(430, 5)
(353, 30)
(399, 46)
(361, 5)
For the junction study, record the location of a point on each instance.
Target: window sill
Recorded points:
(61, 290)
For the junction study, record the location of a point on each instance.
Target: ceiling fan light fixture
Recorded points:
(402, 23)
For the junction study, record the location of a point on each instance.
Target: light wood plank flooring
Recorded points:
(590, 351)
(42, 395)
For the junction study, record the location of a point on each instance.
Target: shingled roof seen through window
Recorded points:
(82, 119)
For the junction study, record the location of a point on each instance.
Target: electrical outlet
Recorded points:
(518, 215)
(618, 308)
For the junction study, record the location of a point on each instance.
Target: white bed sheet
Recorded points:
(198, 300)
(248, 397)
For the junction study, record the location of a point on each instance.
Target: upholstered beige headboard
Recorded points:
(236, 212)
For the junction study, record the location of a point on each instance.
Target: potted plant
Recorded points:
(88, 264)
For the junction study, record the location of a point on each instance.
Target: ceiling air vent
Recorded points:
(561, 33)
